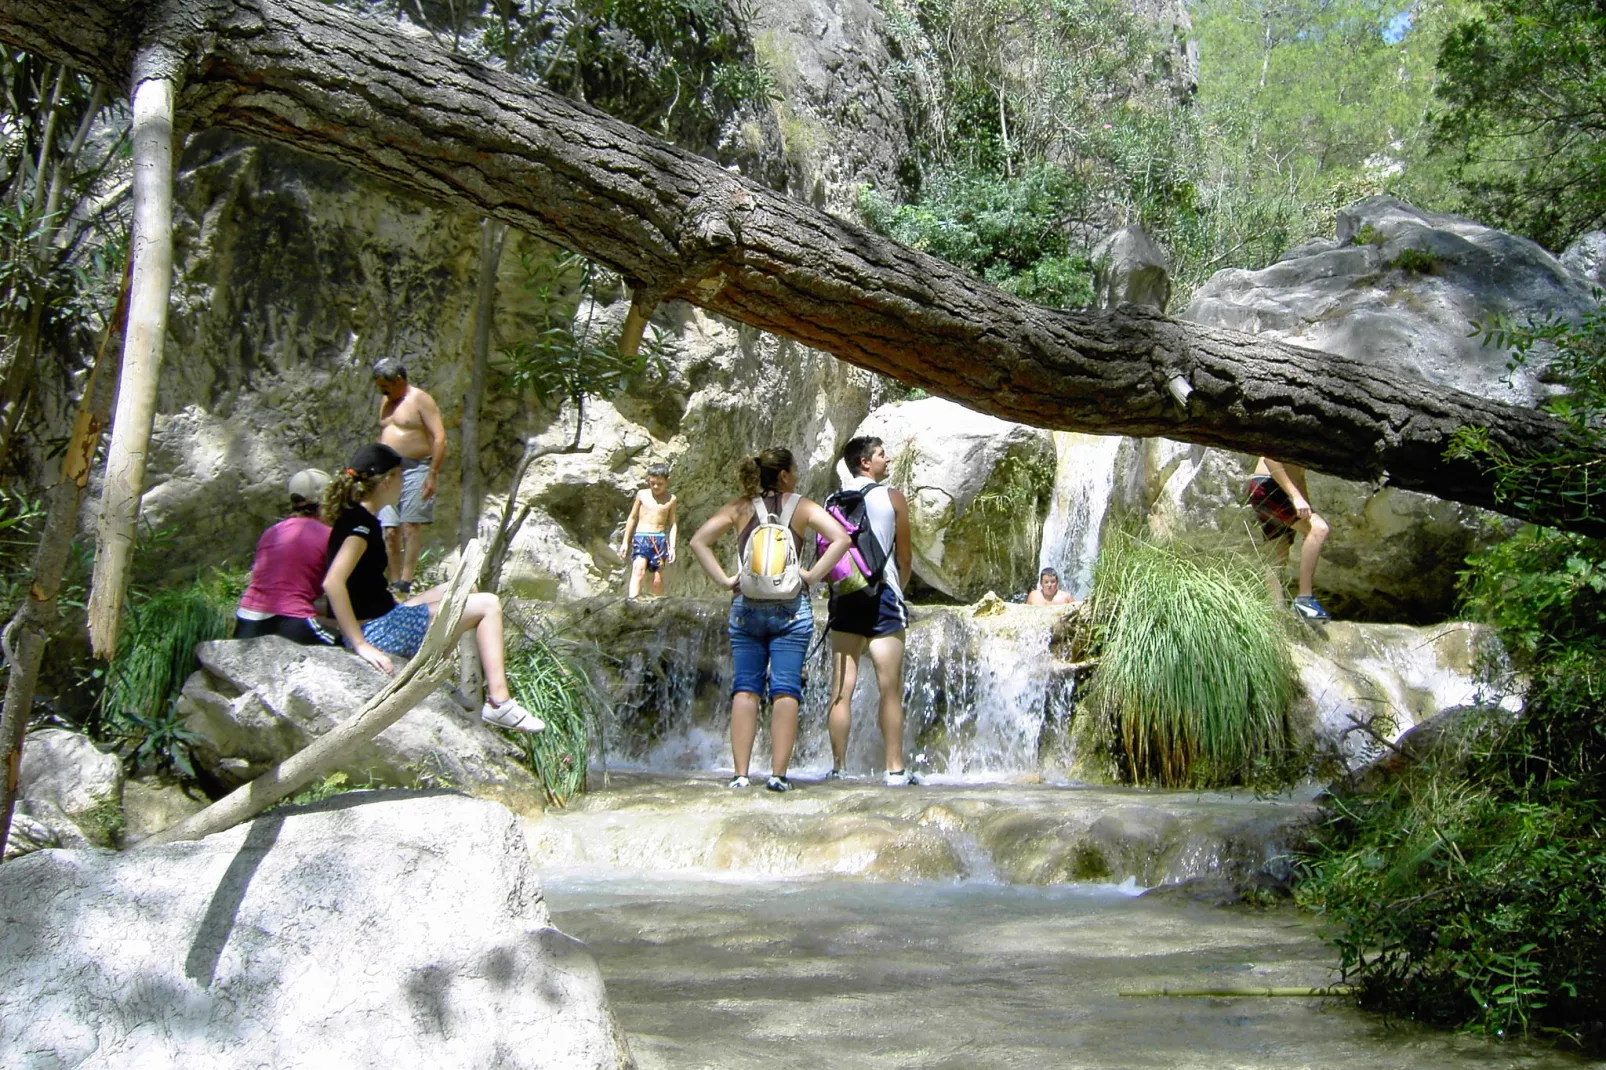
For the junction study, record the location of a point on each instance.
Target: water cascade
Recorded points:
(1084, 476)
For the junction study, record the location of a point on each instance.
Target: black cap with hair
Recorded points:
(373, 459)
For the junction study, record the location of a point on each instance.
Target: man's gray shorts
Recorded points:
(413, 508)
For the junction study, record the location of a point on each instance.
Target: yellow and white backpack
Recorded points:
(769, 566)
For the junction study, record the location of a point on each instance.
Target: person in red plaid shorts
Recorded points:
(1281, 504)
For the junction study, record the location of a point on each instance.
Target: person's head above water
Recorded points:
(390, 376)
(1048, 581)
(766, 471)
(866, 456)
(370, 466)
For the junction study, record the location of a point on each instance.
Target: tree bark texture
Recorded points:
(434, 661)
(30, 630)
(151, 257)
(366, 95)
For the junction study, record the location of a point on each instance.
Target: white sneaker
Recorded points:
(511, 715)
(902, 778)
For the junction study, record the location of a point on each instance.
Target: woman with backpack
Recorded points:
(771, 621)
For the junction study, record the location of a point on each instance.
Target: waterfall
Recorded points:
(982, 694)
(1083, 479)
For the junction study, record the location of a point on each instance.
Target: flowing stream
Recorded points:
(1084, 477)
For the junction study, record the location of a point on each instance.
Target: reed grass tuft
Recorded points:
(1195, 681)
(548, 682)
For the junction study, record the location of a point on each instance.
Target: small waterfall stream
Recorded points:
(1083, 480)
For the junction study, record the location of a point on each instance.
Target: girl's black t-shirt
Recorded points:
(367, 587)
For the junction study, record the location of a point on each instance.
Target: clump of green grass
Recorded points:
(1195, 680)
(547, 682)
(156, 655)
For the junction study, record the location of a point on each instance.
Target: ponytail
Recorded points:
(345, 490)
(762, 472)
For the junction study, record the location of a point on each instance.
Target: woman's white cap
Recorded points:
(308, 484)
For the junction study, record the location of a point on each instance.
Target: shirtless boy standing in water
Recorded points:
(651, 532)
(410, 424)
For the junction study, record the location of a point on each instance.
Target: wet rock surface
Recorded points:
(1003, 834)
(255, 702)
(371, 929)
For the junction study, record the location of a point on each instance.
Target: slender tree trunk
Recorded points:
(493, 236)
(151, 254)
(30, 630)
(677, 226)
(432, 664)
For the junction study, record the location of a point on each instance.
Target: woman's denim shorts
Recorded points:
(399, 632)
(770, 639)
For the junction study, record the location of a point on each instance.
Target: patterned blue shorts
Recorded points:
(399, 632)
(653, 547)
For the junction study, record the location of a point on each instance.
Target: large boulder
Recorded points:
(255, 702)
(70, 794)
(395, 930)
(1399, 288)
(1586, 258)
(978, 490)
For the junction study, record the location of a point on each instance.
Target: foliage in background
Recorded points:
(566, 357)
(18, 536)
(1523, 106)
(675, 67)
(1467, 892)
(138, 705)
(62, 234)
(1044, 124)
(1565, 485)
(547, 681)
(1194, 680)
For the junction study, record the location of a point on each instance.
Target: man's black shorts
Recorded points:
(871, 613)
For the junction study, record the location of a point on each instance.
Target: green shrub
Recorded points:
(155, 656)
(1195, 680)
(1415, 262)
(546, 681)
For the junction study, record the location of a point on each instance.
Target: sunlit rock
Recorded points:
(978, 490)
(1130, 269)
(409, 931)
(255, 702)
(70, 794)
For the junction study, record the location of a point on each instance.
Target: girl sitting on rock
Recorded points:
(287, 571)
(359, 595)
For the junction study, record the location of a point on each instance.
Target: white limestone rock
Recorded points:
(255, 702)
(392, 930)
(69, 794)
(1399, 289)
(1131, 269)
(978, 490)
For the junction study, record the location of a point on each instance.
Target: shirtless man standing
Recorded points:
(1047, 592)
(410, 424)
(651, 532)
(1282, 505)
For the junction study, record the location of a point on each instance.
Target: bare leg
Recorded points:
(783, 732)
(658, 584)
(413, 540)
(845, 653)
(638, 569)
(744, 728)
(393, 553)
(886, 653)
(482, 614)
(1315, 531)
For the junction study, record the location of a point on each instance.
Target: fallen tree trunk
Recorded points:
(435, 660)
(366, 95)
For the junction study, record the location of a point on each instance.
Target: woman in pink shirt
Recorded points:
(287, 571)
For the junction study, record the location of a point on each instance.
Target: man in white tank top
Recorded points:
(873, 619)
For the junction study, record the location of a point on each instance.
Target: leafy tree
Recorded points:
(1524, 105)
